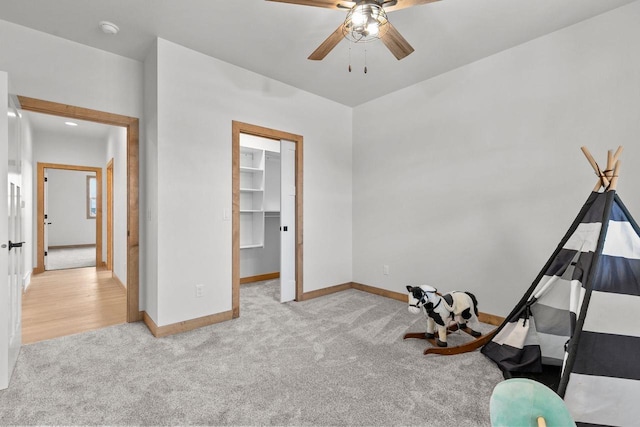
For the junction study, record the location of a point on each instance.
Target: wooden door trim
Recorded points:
(133, 190)
(109, 209)
(40, 208)
(237, 129)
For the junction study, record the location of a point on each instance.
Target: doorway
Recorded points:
(239, 128)
(131, 124)
(53, 181)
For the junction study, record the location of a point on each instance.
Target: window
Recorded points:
(92, 206)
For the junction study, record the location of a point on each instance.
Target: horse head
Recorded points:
(420, 296)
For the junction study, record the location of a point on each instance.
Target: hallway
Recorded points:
(66, 302)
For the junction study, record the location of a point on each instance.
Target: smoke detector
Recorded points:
(109, 27)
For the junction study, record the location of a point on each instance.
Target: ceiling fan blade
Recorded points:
(397, 44)
(330, 4)
(327, 45)
(403, 4)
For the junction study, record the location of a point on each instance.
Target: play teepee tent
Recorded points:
(581, 314)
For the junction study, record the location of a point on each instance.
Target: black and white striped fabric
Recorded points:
(582, 311)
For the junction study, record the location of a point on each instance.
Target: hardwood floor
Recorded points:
(65, 302)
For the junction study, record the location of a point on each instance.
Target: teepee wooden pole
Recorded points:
(614, 178)
(597, 186)
(613, 168)
(609, 170)
(602, 179)
(617, 153)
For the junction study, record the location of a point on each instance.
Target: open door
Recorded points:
(11, 250)
(287, 221)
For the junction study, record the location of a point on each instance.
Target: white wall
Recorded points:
(473, 177)
(198, 97)
(67, 208)
(66, 149)
(117, 150)
(149, 158)
(54, 69)
(50, 68)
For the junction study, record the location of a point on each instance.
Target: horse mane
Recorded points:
(475, 302)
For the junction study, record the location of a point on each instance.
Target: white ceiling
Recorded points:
(274, 39)
(46, 123)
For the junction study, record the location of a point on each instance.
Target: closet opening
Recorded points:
(267, 210)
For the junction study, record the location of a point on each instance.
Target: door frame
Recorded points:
(133, 190)
(109, 209)
(41, 207)
(237, 129)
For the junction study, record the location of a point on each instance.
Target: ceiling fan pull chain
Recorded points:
(349, 56)
(365, 59)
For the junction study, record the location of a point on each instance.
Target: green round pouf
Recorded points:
(518, 402)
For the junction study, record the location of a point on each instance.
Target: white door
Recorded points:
(11, 251)
(287, 221)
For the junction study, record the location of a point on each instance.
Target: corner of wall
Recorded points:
(148, 182)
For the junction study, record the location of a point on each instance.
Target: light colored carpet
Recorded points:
(64, 258)
(334, 360)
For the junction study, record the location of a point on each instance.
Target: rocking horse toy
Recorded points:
(460, 308)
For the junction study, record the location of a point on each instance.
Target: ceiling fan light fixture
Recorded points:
(373, 29)
(365, 22)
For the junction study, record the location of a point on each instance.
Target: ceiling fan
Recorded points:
(366, 20)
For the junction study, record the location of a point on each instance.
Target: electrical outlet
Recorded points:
(385, 270)
(199, 290)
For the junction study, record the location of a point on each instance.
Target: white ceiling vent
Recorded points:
(109, 27)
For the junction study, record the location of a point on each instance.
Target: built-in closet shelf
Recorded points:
(251, 170)
(252, 181)
(251, 246)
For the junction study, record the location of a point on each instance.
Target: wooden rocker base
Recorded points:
(459, 349)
